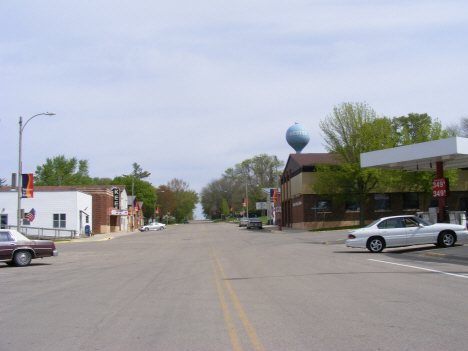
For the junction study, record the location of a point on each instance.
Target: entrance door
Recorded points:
(3, 221)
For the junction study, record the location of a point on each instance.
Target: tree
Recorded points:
(2, 182)
(138, 172)
(460, 130)
(353, 128)
(185, 199)
(225, 208)
(63, 171)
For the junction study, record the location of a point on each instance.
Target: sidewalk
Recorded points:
(103, 237)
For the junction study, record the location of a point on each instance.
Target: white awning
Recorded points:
(420, 157)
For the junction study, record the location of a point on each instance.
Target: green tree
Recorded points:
(185, 199)
(225, 208)
(63, 171)
(2, 182)
(353, 128)
(138, 172)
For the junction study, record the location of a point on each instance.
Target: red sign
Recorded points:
(440, 187)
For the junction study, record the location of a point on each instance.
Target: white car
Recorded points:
(405, 231)
(152, 226)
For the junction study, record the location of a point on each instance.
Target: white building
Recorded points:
(68, 209)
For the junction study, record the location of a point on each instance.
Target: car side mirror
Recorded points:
(420, 225)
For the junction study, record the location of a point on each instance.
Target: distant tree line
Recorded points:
(245, 179)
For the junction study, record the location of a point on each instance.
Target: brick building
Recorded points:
(298, 198)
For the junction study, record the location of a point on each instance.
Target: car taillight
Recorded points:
(351, 236)
(53, 246)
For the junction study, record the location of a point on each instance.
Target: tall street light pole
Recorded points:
(21, 128)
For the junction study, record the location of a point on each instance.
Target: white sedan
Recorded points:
(152, 226)
(405, 231)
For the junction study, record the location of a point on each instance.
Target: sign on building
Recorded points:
(116, 196)
(261, 205)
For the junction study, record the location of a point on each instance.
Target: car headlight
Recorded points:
(351, 236)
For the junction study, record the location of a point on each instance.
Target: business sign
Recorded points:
(27, 188)
(440, 187)
(261, 205)
(118, 212)
(116, 196)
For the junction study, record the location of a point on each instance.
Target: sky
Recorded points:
(189, 89)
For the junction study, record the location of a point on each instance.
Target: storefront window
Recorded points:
(410, 201)
(324, 205)
(382, 202)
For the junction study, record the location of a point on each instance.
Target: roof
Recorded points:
(453, 152)
(307, 162)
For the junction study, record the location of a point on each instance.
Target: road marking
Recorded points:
(424, 269)
(258, 346)
(236, 345)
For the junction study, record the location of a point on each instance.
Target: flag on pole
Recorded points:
(241, 213)
(244, 202)
(31, 215)
(157, 210)
(232, 208)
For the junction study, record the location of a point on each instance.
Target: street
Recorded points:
(220, 287)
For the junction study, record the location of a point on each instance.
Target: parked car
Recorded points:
(404, 231)
(243, 222)
(16, 249)
(255, 223)
(186, 221)
(152, 226)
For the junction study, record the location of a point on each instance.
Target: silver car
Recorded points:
(152, 226)
(405, 231)
(243, 222)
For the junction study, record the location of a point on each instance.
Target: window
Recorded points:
(352, 206)
(463, 204)
(435, 202)
(60, 220)
(382, 202)
(391, 223)
(410, 201)
(3, 221)
(324, 205)
(4, 237)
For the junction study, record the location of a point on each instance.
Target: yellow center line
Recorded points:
(236, 345)
(258, 346)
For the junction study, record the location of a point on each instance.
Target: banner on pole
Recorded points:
(27, 188)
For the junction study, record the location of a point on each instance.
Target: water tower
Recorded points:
(298, 137)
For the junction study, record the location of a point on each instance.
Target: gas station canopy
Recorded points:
(453, 152)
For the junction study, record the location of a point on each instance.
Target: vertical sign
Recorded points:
(27, 188)
(116, 196)
(244, 202)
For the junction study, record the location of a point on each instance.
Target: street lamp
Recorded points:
(21, 128)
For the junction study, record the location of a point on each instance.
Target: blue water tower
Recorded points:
(298, 137)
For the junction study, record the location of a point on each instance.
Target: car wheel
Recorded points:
(375, 245)
(22, 258)
(446, 239)
(260, 227)
(146, 229)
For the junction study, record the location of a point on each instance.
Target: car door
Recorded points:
(417, 234)
(7, 245)
(393, 231)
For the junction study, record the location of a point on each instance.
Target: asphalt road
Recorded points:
(220, 287)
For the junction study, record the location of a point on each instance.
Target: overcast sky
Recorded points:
(188, 89)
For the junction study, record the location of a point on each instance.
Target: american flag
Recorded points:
(31, 215)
